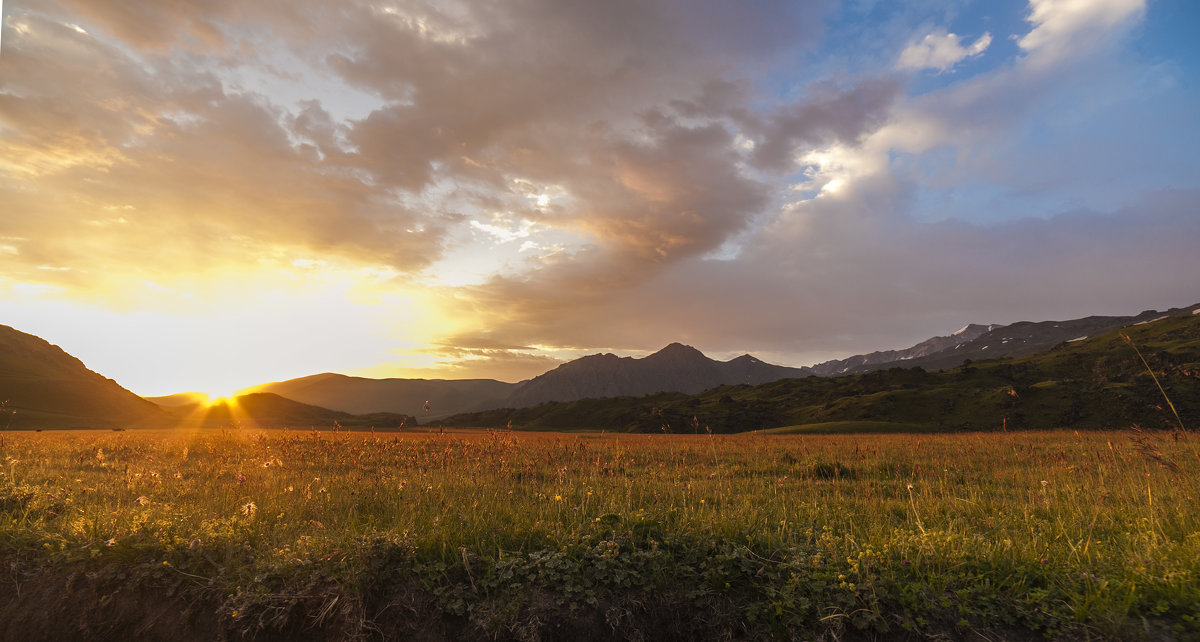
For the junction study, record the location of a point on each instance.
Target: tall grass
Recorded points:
(1063, 533)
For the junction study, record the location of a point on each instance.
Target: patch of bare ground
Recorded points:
(51, 604)
(56, 605)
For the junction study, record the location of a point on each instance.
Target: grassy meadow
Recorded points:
(287, 534)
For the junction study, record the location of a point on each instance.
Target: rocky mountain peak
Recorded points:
(678, 352)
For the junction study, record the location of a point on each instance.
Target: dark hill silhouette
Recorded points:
(267, 410)
(406, 396)
(41, 386)
(675, 368)
(180, 399)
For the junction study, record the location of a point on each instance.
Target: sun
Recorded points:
(218, 396)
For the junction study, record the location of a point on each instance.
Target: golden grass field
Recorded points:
(493, 534)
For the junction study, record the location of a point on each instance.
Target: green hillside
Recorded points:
(1091, 384)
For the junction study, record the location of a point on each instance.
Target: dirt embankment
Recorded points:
(56, 605)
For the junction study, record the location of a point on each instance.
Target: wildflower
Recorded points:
(241, 479)
(558, 498)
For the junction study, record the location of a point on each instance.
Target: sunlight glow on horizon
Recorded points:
(229, 336)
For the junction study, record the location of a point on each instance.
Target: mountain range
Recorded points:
(675, 368)
(886, 358)
(1027, 338)
(43, 386)
(1100, 382)
(680, 368)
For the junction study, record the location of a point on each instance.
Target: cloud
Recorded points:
(645, 206)
(617, 174)
(1073, 27)
(871, 265)
(469, 107)
(158, 168)
(472, 357)
(213, 27)
(827, 285)
(826, 117)
(941, 51)
(995, 127)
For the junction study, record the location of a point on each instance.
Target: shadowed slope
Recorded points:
(406, 396)
(44, 387)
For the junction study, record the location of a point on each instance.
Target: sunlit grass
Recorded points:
(1105, 527)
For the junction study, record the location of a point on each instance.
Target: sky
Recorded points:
(203, 195)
